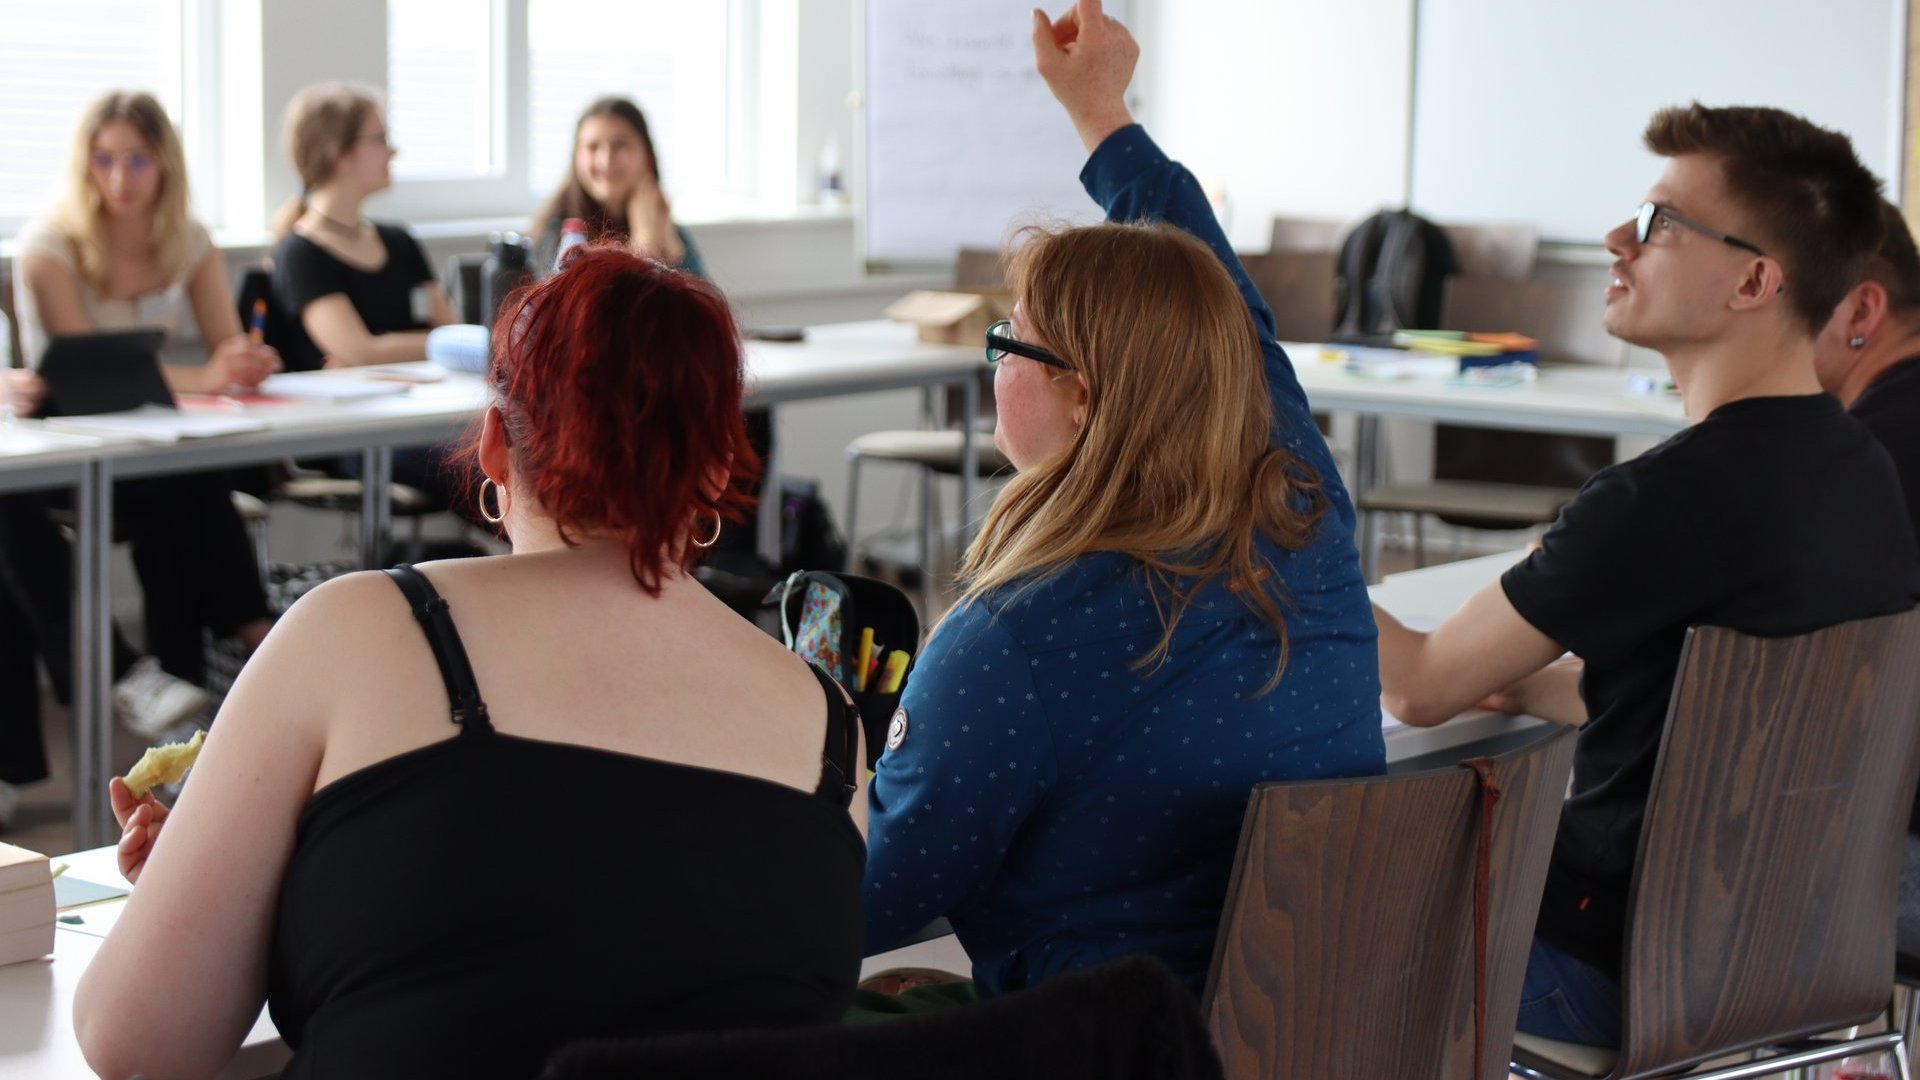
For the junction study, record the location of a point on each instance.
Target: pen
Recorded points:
(896, 670)
(866, 657)
(257, 327)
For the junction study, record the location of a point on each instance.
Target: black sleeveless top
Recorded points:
(469, 907)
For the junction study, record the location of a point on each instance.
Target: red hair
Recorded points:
(620, 383)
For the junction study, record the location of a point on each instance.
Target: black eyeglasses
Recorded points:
(1000, 342)
(1651, 211)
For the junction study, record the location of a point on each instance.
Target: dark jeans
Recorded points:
(196, 566)
(1569, 1000)
(23, 756)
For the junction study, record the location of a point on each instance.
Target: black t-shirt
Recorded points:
(386, 299)
(1890, 408)
(1772, 516)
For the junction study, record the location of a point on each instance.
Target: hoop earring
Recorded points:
(718, 524)
(1857, 341)
(499, 500)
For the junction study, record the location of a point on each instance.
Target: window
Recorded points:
(440, 90)
(669, 57)
(55, 58)
(482, 97)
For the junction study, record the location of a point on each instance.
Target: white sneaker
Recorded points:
(147, 700)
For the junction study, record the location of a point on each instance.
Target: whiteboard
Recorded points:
(963, 141)
(1532, 110)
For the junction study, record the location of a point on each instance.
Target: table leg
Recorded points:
(93, 657)
(376, 505)
(1365, 461)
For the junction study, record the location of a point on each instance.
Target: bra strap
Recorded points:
(840, 756)
(436, 621)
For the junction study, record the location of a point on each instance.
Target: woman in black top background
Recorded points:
(408, 895)
(354, 291)
(357, 292)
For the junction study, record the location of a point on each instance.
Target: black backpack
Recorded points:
(1392, 275)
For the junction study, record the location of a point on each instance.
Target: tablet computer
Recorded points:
(107, 372)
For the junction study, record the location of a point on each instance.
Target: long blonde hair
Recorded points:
(1174, 466)
(322, 124)
(76, 212)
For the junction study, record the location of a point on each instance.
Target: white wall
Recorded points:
(303, 44)
(1296, 107)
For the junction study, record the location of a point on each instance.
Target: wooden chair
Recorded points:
(1762, 905)
(1906, 977)
(1348, 942)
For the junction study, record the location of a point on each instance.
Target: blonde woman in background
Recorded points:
(119, 249)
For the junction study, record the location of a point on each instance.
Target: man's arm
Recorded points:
(1552, 693)
(1483, 649)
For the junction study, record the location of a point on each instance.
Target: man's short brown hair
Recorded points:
(1896, 265)
(1814, 207)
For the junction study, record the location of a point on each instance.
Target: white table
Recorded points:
(36, 998)
(1423, 598)
(859, 358)
(833, 360)
(1568, 399)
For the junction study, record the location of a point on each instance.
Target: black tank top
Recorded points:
(469, 907)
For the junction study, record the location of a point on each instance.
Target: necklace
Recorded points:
(339, 226)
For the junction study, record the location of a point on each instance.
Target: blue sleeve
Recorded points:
(946, 801)
(1133, 180)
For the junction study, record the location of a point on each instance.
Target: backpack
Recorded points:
(1391, 275)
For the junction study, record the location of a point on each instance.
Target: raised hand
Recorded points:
(1087, 59)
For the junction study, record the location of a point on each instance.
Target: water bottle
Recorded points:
(573, 234)
(507, 266)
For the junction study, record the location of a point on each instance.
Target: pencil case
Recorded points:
(822, 615)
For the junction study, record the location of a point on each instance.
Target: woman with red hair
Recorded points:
(406, 893)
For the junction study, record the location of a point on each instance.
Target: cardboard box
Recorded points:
(955, 317)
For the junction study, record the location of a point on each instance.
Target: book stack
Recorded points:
(1473, 350)
(26, 905)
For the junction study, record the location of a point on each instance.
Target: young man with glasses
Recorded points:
(1774, 513)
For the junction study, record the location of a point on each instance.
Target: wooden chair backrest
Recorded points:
(1347, 943)
(1762, 907)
